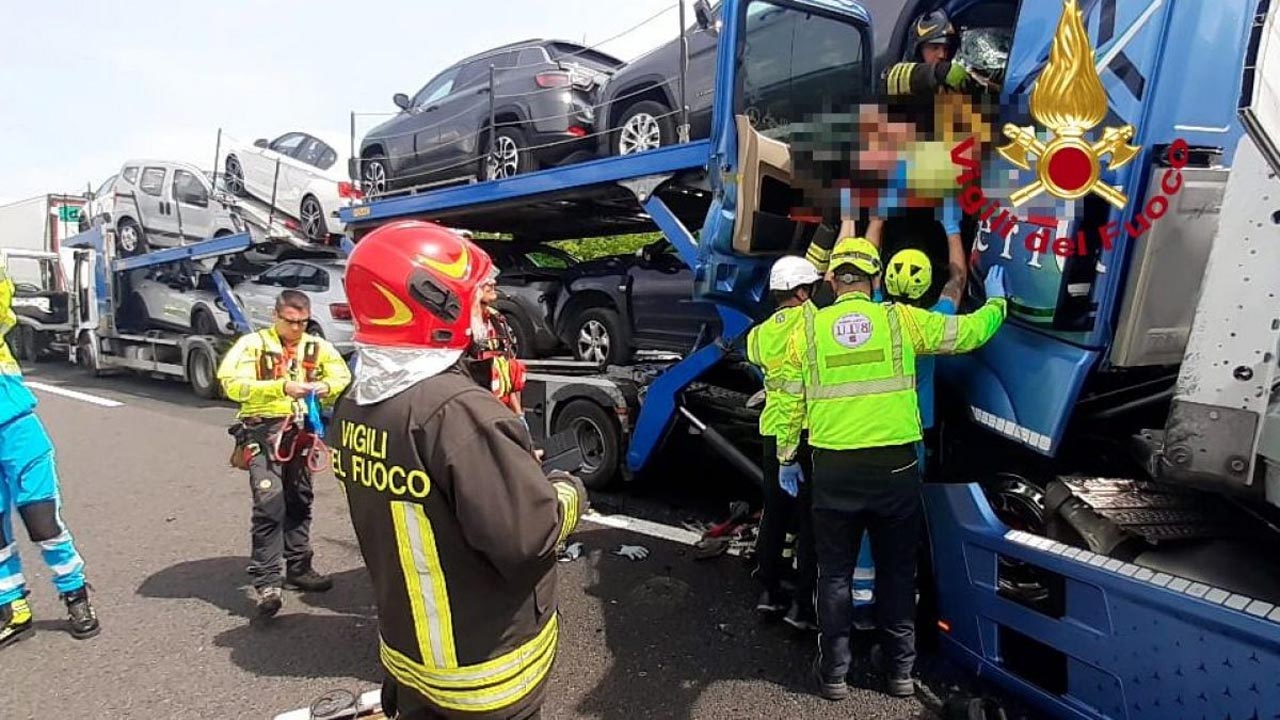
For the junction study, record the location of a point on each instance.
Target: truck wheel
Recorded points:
(598, 337)
(202, 373)
(599, 438)
(85, 356)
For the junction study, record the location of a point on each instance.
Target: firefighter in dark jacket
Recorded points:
(933, 69)
(455, 519)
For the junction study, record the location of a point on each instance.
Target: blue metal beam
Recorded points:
(229, 299)
(675, 231)
(606, 171)
(217, 247)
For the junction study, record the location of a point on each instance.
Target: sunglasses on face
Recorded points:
(301, 323)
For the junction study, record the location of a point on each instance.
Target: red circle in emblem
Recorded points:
(1070, 168)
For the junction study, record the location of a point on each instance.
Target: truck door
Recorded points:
(192, 213)
(84, 288)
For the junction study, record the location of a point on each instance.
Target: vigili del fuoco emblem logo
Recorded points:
(1069, 100)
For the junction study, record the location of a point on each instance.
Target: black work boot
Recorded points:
(15, 622)
(802, 616)
(270, 600)
(897, 683)
(308, 581)
(771, 602)
(84, 622)
(833, 689)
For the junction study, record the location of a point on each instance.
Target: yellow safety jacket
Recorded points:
(767, 349)
(856, 360)
(256, 369)
(15, 399)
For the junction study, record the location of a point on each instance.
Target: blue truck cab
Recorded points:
(1101, 541)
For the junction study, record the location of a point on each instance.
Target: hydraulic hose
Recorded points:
(721, 444)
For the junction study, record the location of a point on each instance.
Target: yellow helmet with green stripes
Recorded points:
(858, 252)
(908, 274)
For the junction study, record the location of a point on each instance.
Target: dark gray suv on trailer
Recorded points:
(541, 104)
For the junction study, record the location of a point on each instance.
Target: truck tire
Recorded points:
(85, 356)
(598, 336)
(599, 438)
(203, 373)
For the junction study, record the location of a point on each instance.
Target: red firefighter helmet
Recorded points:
(415, 284)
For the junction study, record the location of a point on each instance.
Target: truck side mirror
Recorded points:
(705, 18)
(401, 100)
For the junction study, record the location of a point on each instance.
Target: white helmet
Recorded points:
(791, 272)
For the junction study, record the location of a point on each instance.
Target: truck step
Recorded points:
(1159, 513)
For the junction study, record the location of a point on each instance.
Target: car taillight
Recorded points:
(552, 79)
(348, 191)
(340, 311)
(577, 131)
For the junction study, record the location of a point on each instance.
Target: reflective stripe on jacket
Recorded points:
(261, 394)
(766, 349)
(856, 359)
(458, 528)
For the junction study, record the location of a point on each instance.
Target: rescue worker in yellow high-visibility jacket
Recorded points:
(786, 520)
(271, 373)
(856, 362)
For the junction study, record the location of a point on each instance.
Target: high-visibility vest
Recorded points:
(766, 349)
(858, 361)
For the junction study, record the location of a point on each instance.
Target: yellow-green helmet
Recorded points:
(858, 252)
(909, 274)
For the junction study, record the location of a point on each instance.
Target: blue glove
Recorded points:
(994, 284)
(314, 420)
(789, 478)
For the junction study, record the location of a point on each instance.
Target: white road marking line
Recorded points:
(644, 527)
(649, 528)
(74, 394)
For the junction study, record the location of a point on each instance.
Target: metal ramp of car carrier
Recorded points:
(663, 190)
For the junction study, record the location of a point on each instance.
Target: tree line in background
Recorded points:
(592, 248)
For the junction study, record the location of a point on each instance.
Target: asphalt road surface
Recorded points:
(162, 522)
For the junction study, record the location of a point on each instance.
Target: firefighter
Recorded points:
(29, 486)
(272, 373)
(497, 342)
(932, 68)
(856, 361)
(455, 519)
(792, 282)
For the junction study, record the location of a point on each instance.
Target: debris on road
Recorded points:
(571, 553)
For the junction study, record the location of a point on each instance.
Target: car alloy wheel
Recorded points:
(593, 342)
(234, 177)
(312, 219)
(128, 237)
(504, 159)
(375, 177)
(641, 132)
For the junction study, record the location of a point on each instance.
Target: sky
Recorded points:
(86, 86)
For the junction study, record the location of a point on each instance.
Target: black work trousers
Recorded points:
(888, 506)
(783, 517)
(281, 525)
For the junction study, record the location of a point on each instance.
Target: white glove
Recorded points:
(571, 553)
(632, 552)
